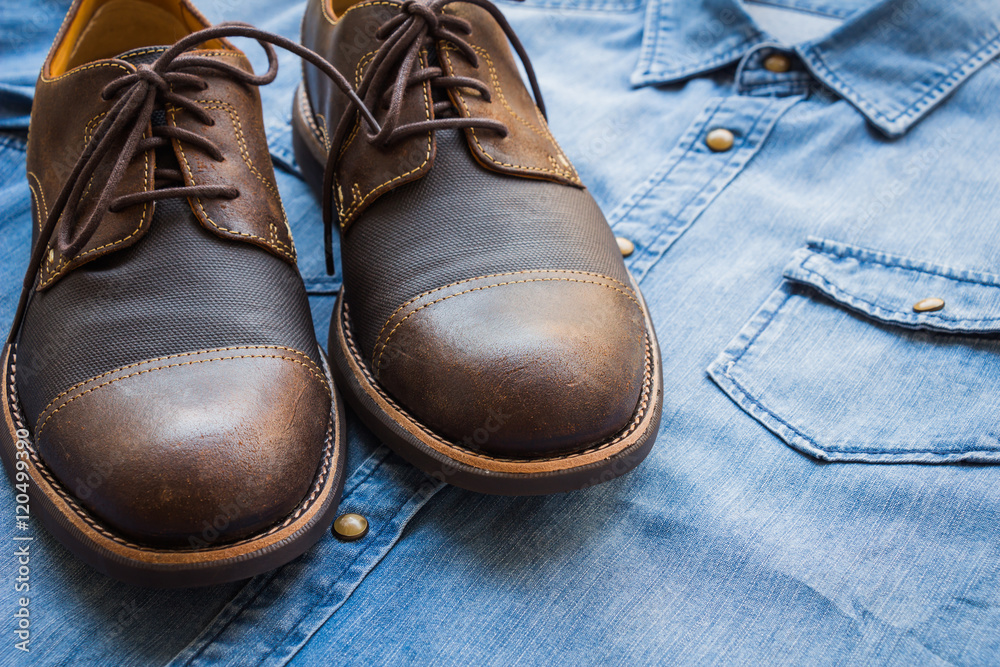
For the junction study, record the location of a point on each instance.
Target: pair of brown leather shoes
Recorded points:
(168, 410)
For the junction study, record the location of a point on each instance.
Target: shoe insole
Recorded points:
(122, 25)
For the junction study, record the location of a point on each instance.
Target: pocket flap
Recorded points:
(886, 287)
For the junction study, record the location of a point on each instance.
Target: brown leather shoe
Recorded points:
(487, 329)
(168, 409)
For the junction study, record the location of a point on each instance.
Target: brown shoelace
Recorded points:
(396, 68)
(139, 94)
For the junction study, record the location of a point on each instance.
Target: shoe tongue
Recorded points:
(143, 56)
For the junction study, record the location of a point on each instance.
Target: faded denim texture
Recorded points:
(824, 487)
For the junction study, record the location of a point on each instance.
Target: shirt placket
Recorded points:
(712, 152)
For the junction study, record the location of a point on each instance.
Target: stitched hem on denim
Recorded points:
(804, 269)
(627, 217)
(914, 109)
(652, 68)
(721, 372)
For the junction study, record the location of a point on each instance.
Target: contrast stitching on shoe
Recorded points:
(358, 70)
(55, 272)
(541, 129)
(234, 117)
(639, 414)
(177, 356)
(307, 113)
(324, 134)
(283, 248)
(375, 364)
(358, 74)
(89, 128)
(82, 512)
(494, 275)
(232, 54)
(472, 131)
(86, 67)
(39, 197)
(346, 215)
(333, 20)
(542, 123)
(41, 427)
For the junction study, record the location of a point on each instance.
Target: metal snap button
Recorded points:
(626, 246)
(719, 139)
(350, 527)
(928, 305)
(777, 63)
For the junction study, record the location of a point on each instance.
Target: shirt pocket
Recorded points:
(840, 365)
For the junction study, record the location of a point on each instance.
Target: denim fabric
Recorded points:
(823, 489)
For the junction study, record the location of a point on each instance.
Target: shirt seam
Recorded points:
(931, 93)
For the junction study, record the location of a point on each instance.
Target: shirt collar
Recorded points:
(894, 61)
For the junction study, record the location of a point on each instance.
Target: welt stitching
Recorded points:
(493, 275)
(176, 356)
(639, 414)
(346, 215)
(87, 518)
(347, 567)
(486, 287)
(41, 427)
(850, 296)
(281, 247)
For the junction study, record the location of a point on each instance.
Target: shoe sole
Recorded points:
(117, 556)
(448, 461)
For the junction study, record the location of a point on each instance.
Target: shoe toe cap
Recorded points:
(540, 363)
(196, 450)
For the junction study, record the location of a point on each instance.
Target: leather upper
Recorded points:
(221, 449)
(169, 370)
(485, 291)
(367, 172)
(521, 364)
(65, 114)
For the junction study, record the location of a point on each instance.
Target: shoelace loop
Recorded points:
(396, 67)
(119, 137)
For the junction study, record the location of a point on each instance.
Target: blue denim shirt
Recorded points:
(823, 489)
